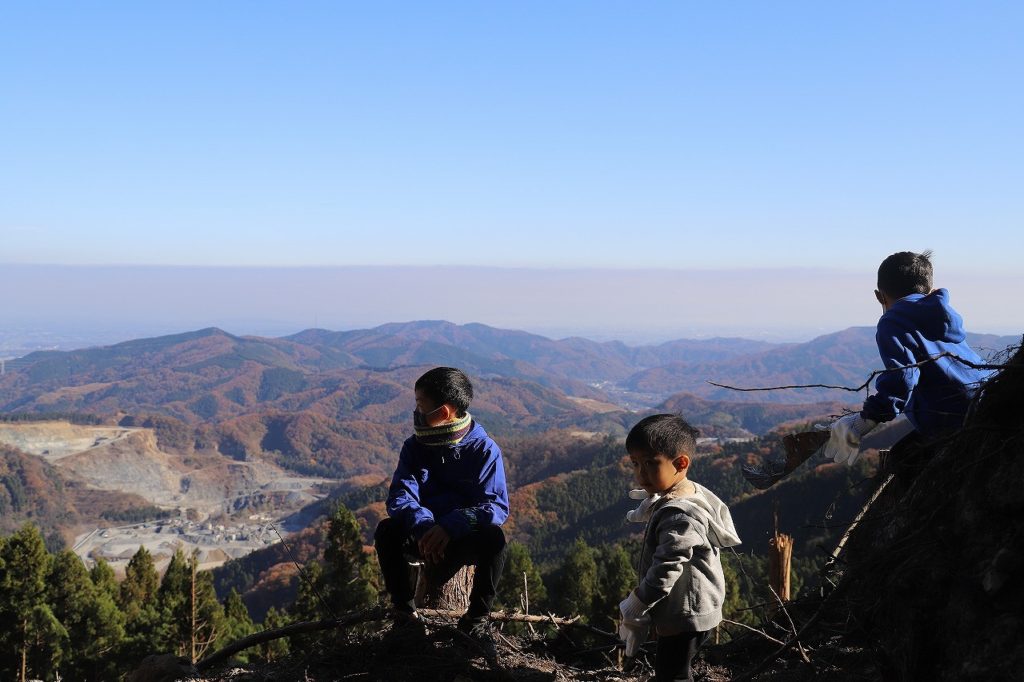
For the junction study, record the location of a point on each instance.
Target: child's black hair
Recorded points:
(662, 434)
(447, 385)
(905, 273)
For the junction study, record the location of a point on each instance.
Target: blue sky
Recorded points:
(562, 135)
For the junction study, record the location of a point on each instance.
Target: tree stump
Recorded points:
(780, 555)
(449, 596)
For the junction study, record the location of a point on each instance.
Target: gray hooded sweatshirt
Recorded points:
(680, 565)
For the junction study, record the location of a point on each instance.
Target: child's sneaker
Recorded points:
(479, 630)
(407, 621)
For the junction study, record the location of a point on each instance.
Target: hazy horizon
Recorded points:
(115, 303)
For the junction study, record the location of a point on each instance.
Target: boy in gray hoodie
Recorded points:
(681, 585)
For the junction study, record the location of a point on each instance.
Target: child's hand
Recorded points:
(844, 443)
(635, 624)
(634, 636)
(433, 544)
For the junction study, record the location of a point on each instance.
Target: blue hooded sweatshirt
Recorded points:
(461, 486)
(935, 396)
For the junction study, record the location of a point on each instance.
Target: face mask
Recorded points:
(419, 420)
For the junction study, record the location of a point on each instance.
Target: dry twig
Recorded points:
(864, 386)
(762, 633)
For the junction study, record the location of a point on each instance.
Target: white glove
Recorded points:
(636, 622)
(634, 636)
(639, 515)
(844, 443)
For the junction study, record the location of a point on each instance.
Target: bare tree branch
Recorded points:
(792, 627)
(762, 633)
(857, 389)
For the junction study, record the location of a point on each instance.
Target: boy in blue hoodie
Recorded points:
(917, 324)
(681, 585)
(446, 502)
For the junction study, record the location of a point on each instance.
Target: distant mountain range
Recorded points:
(338, 404)
(211, 374)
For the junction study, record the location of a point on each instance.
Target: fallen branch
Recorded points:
(356, 617)
(505, 616)
(289, 631)
(834, 557)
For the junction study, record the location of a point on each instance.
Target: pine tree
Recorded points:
(94, 625)
(106, 636)
(173, 607)
(30, 635)
(307, 605)
(190, 615)
(102, 576)
(579, 584)
(106, 623)
(616, 579)
(70, 596)
(207, 615)
(237, 623)
(735, 606)
(349, 573)
(137, 599)
(511, 592)
(278, 648)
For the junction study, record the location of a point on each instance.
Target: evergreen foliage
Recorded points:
(103, 578)
(191, 618)
(578, 584)
(308, 604)
(30, 634)
(349, 577)
(276, 649)
(137, 600)
(237, 624)
(519, 566)
(94, 625)
(616, 578)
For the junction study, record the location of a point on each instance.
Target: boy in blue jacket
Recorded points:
(917, 324)
(446, 502)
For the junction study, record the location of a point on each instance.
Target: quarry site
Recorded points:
(219, 507)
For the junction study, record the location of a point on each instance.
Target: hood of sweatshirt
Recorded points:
(929, 314)
(721, 530)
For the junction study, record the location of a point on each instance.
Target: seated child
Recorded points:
(917, 323)
(446, 502)
(681, 585)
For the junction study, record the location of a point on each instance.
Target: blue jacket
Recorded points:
(935, 396)
(461, 487)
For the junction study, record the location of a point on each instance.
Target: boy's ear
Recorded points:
(682, 462)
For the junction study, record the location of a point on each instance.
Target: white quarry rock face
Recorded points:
(129, 460)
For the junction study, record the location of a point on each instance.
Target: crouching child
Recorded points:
(681, 584)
